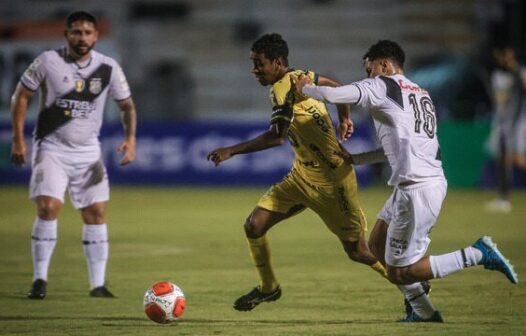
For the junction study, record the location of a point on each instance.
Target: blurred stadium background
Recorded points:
(187, 62)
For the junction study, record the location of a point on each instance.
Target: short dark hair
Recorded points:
(273, 46)
(80, 16)
(386, 49)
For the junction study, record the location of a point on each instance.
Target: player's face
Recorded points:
(504, 58)
(81, 37)
(367, 66)
(374, 68)
(266, 71)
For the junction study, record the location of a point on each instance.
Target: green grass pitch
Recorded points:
(194, 237)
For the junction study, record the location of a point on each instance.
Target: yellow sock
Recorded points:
(260, 251)
(378, 267)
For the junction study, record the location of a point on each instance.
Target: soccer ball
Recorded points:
(164, 302)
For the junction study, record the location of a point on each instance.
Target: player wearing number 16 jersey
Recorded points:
(404, 118)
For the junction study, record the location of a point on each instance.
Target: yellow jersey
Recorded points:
(311, 132)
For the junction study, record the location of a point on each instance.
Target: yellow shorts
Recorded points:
(337, 203)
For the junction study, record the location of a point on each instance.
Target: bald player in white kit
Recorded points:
(74, 83)
(405, 122)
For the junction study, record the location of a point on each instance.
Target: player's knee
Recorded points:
(48, 209)
(399, 275)
(98, 216)
(94, 214)
(253, 229)
(355, 253)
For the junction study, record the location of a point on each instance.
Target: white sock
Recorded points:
(43, 241)
(446, 264)
(418, 299)
(96, 248)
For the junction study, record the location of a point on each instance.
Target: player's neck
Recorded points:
(394, 71)
(79, 59)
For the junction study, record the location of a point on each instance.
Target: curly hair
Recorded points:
(273, 46)
(386, 49)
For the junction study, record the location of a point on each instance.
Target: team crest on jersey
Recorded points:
(95, 85)
(79, 85)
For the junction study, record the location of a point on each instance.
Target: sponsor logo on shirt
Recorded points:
(315, 113)
(322, 156)
(409, 87)
(398, 245)
(75, 108)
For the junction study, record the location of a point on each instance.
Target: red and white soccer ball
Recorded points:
(164, 302)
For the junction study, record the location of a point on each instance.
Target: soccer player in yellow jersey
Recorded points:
(319, 179)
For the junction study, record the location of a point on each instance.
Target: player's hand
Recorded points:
(300, 81)
(346, 129)
(18, 152)
(345, 155)
(128, 148)
(219, 155)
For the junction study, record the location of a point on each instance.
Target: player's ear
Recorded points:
(385, 65)
(279, 62)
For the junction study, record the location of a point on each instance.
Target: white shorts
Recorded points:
(410, 213)
(53, 173)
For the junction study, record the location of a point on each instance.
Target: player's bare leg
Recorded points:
(43, 241)
(359, 251)
(483, 252)
(256, 227)
(377, 240)
(415, 295)
(96, 247)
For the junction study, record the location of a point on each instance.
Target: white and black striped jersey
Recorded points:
(73, 97)
(405, 122)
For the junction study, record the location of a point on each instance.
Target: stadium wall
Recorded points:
(171, 153)
(174, 153)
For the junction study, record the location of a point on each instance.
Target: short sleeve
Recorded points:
(281, 93)
(119, 88)
(34, 74)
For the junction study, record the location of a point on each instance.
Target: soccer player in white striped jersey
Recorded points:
(405, 122)
(74, 83)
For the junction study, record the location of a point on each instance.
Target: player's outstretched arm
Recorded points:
(275, 136)
(364, 158)
(346, 94)
(346, 126)
(19, 103)
(129, 124)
